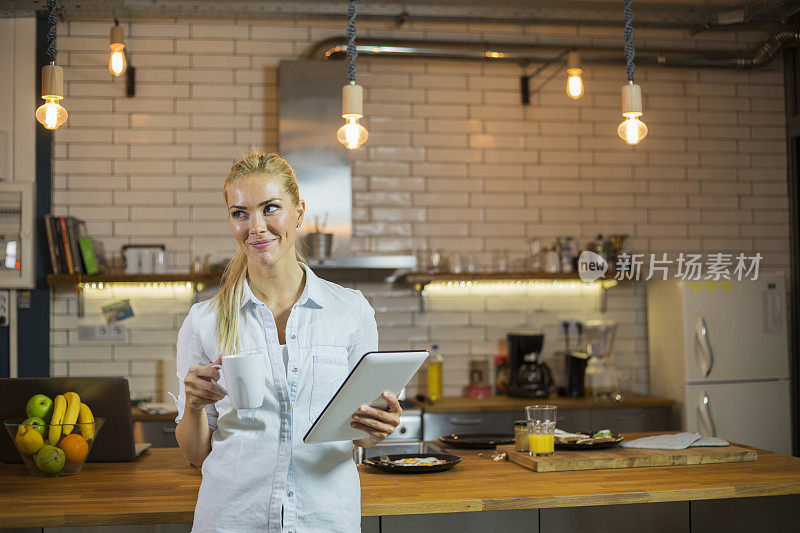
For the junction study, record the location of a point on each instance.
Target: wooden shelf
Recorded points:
(71, 280)
(423, 278)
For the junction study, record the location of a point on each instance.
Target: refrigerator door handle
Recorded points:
(705, 414)
(701, 334)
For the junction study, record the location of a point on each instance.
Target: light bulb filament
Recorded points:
(51, 114)
(574, 83)
(117, 64)
(632, 130)
(352, 134)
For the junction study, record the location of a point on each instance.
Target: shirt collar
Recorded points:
(312, 292)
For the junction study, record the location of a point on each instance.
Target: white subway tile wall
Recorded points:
(454, 162)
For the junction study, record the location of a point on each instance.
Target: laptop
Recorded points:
(108, 397)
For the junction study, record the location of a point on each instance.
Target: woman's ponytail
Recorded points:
(228, 302)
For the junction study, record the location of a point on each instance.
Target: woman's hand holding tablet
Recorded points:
(378, 423)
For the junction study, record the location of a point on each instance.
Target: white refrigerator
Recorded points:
(720, 350)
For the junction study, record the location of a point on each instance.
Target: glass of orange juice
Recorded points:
(541, 428)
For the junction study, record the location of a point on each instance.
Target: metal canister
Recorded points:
(319, 244)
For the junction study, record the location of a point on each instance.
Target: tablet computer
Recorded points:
(374, 373)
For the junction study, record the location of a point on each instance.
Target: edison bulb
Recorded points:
(352, 134)
(117, 64)
(51, 114)
(574, 83)
(632, 130)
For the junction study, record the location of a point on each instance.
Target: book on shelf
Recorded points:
(90, 257)
(52, 246)
(72, 251)
(75, 229)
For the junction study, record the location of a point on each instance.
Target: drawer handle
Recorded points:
(629, 416)
(168, 430)
(465, 421)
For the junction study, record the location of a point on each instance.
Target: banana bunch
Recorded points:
(67, 411)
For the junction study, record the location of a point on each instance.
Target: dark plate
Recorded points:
(477, 441)
(383, 462)
(590, 445)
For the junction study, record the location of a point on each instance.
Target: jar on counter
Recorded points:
(521, 441)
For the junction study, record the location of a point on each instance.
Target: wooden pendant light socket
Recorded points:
(631, 99)
(52, 81)
(116, 34)
(353, 100)
(573, 60)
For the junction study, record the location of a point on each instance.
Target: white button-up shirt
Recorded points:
(260, 475)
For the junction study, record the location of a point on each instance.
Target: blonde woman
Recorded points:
(258, 474)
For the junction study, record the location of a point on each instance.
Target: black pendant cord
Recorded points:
(630, 50)
(352, 51)
(52, 21)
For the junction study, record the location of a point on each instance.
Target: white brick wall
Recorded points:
(454, 161)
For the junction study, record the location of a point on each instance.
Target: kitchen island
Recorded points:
(161, 488)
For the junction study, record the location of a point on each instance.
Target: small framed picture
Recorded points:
(117, 311)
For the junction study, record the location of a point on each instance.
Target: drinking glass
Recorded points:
(456, 263)
(541, 428)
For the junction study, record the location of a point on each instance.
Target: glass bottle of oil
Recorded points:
(435, 385)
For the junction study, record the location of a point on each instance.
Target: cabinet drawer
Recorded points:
(159, 433)
(630, 420)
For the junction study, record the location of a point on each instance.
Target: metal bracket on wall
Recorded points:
(80, 300)
(603, 299)
(420, 288)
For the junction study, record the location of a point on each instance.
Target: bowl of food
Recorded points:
(57, 436)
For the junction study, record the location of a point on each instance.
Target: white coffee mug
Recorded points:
(244, 379)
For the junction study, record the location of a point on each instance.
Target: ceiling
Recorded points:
(698, 14)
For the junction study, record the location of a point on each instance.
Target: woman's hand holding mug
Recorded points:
(200, 390)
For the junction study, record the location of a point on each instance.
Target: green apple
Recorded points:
(40, 406)
(50, 459)
(36, 422)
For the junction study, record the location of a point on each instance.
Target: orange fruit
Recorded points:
(75, 448)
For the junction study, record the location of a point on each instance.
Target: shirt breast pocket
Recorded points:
(329, 370)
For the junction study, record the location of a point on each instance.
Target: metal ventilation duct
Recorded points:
(672, 14)
(762, 54)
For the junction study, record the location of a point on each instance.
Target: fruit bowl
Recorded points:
(47, 451)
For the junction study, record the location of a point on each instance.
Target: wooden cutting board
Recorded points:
(563, 460)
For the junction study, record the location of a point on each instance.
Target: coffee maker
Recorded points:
(528, 378)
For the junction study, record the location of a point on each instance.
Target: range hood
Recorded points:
(309, 113)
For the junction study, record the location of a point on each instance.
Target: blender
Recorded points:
(601, 375)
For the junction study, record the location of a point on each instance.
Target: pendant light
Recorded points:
(631, 130)
(352, 134)
(117, 63)
(51, 114)
(574, 71)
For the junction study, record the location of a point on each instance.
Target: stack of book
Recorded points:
(71, 250)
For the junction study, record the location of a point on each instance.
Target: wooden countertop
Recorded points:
(161, 487)
(496, 403)
(138, 414)
(507, 403)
